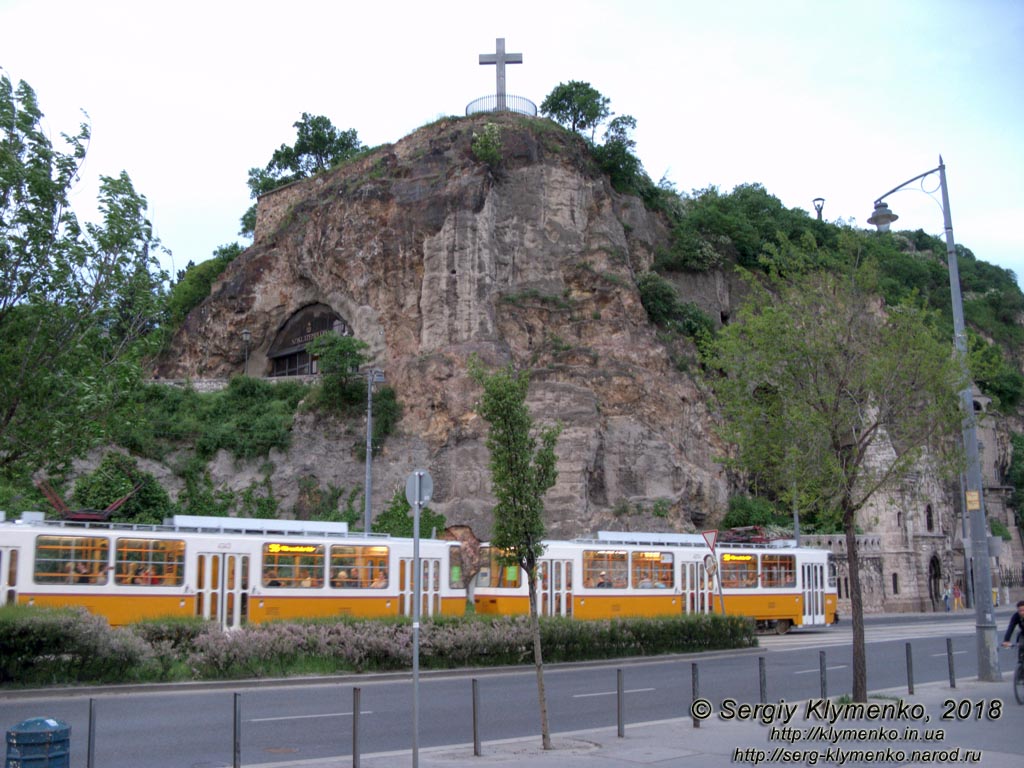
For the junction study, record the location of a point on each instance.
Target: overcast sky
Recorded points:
(841, 100)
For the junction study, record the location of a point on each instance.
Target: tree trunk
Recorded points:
(860, 672)
(538, 659)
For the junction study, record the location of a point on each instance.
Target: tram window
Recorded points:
(298, 566)
(831, 570)
(652, 570)
(455, 567)
(739, 570)
(495, 574)
(149, 562)
(605, 567)
(71, 560)
(778, 570)
(364, 567)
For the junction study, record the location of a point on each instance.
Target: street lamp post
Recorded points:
(973, 498)
(373, 376)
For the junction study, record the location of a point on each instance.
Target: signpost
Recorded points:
(418, 489)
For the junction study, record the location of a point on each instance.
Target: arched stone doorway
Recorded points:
(935, 582)
(287, 354)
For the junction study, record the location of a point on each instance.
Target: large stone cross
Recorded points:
(500, 58)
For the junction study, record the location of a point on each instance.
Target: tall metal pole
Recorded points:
(417, 591)
(373, 376)
(368, 485)
(973, 492)
(974, 496)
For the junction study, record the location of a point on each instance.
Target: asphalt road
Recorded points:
(193, 725)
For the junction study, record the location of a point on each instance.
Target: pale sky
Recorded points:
(841, 100)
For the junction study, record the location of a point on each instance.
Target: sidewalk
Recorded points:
(806, 739)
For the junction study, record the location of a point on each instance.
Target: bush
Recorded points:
(46, 647)
(486, 145)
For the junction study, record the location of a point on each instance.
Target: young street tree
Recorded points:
(522, 470)
(831, 399)
(78, 302)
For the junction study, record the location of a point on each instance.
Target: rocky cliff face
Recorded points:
(429, 256)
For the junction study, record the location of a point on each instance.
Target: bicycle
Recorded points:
(1018, 675)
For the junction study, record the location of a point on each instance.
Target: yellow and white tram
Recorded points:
(237, 570)
(230, 570)
(643, 574)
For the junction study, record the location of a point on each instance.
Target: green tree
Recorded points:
(117, 476)
(829, 401)
(522, 470)
(617, 159)
(78, 302)
(194, 282)
(396, 518)
(319, 146)
(576, 105)
(339, 359)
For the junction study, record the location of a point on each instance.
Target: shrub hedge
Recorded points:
(45, 646)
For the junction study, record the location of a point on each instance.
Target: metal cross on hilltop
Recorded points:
(500, 58)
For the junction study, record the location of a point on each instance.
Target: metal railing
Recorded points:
(502, 103)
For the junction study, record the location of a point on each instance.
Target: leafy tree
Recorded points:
(194, 282)
(751, 510)
(319, 146)
(522, 470)
(340, 358)
(396, 518)
(664, 308)
(816, 381)
(78, 302)
(116, 477)
(576, 105)
(617, 159)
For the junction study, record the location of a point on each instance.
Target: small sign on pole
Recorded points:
(710, 537)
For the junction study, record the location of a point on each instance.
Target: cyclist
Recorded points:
(1016, 622)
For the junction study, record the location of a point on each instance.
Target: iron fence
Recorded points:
(502, 103)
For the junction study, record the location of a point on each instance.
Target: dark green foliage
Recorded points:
(733, 227)
(247, 419)
(194, 282)
(341, 385)
(319, 146)
(751, 510)
(664, 308)
(486, 145)
(576, 105)
(115, 477)
(616, 157)
(79, 303)
(396, 518)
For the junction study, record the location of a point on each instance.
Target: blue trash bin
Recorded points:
(41, 742)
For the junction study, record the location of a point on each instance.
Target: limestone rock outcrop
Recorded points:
(430, 256)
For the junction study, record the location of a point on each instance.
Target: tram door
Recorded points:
(430, 574)
(222, 588)
(696, 588)
(8, 575)
(813, 592)
(554, 587)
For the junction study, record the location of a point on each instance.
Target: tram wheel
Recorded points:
(782, 626)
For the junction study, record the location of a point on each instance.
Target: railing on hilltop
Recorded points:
(502, 103)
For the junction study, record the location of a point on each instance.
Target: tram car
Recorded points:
(239, 570)
(777, 583)
(228, 570)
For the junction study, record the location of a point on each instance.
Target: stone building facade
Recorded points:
(913, 545)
